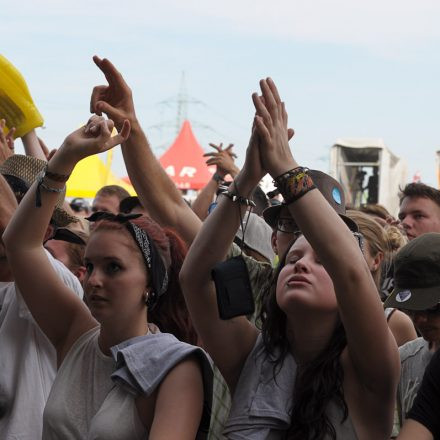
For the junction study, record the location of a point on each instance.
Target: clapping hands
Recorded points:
(271, 126)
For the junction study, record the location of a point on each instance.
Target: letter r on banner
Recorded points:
(187, 171)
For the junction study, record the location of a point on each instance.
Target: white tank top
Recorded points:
(84, 403)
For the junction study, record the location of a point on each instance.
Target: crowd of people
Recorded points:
(240, 316)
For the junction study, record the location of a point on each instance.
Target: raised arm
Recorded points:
(223, 159)
(228, 342)
(61, 315)
(32, 146)
(371, 346)
(157, 192)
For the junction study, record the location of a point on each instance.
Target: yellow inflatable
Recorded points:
(16, 105)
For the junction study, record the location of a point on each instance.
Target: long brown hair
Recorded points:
(317, 383)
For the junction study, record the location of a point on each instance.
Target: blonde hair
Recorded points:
(375, 238)
(395, 238)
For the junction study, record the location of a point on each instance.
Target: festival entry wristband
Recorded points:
(293, 184)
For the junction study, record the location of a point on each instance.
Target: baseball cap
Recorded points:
(330, 188)
(417, 274)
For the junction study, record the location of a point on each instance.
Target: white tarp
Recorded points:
(349, 157)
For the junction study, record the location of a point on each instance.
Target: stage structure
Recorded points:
(369, 172)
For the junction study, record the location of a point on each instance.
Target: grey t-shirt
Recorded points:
(414, 358)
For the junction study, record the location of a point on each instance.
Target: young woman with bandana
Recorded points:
(118, 376)
(324, 365)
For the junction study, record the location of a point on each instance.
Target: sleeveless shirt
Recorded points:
(93, 396)
(263, 400)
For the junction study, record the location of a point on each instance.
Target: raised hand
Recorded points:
(95, 137)
(253, 170)
(271, 124)
(6, 142)
(115, 100)
(223, 159)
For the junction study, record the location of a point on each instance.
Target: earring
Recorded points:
(146, 294)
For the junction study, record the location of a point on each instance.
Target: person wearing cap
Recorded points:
(417, 292)
(419, 210)
(27, 360)
(325, 364)
(284, 226)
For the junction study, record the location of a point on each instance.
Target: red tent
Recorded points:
(184, 161)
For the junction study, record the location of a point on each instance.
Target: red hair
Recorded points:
(170, 313)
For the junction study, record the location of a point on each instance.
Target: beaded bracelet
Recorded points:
(236, 198)
(294, 184)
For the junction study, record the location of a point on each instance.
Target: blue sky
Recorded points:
(344, 68)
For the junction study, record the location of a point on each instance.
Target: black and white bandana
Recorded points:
(153, 260)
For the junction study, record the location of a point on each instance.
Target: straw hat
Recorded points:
(27, 169)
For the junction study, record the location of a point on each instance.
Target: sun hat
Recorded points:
(26, 169)
(330, 188)
(417, 274)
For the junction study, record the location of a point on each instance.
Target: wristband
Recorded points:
(294, 184)
(41, 184)
(55, 176)
(236, 198)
